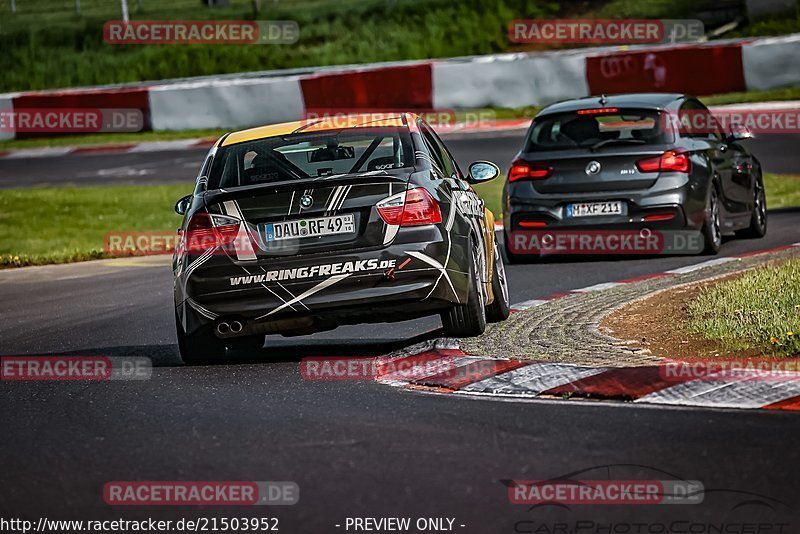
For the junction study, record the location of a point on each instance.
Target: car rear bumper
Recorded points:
(669, 205)
(320, 291)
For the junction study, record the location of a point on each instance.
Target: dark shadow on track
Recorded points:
(283, 351)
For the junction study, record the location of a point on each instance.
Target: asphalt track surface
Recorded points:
(778, 153)
(356, 449)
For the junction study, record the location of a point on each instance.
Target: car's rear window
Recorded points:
(307, 155)
(574, 130)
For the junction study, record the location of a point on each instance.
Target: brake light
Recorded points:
(532, 224)
(414, 207)
(659, 217)
(598, 111)
(523, 170)
(206, 231)
(669, 161)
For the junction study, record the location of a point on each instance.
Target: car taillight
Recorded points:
(206, 231)
(669, 161)
(414, 207)
(597, 111)
(523, 170)
(533, 223)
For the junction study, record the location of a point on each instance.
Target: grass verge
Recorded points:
(59, 225)
(758, 310)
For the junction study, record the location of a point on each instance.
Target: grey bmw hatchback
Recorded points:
(633, 162)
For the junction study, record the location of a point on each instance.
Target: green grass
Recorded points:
(785, 93)
(492, 195)
(57, 225)
(759, 310)
(59, 49)
(47, 45)
(783, 190)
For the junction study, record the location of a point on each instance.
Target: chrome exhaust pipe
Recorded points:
(223, 328)
(236, 327)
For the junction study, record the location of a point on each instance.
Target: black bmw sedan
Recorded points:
(633, 162)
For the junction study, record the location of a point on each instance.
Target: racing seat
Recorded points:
(262, 169)
(582, 131)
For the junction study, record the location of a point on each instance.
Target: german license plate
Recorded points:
(595, 209)
(301, 228)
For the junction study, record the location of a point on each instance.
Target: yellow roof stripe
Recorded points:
(336, 122)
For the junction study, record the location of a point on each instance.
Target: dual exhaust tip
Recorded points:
(234, 327)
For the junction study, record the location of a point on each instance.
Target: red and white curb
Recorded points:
(457, 372)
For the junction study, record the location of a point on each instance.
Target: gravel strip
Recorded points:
(566, 330)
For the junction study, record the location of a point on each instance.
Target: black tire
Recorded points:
(199, 348)
(469, 319)
(758, 221)
(499, 309)
(712, 227)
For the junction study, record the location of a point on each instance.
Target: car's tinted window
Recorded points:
(450, 165)
(572, 130)
(315, 154)
(438, 155)
(696, 121)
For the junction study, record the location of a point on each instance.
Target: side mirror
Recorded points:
(482, 171)
(182, 206)
(741, 135)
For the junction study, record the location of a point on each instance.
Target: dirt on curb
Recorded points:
(658, 323)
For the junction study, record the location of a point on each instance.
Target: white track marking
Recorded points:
(38, 153)
(528, 304)
(597, 287)
(702, 265)
(728, 392)
(533, 379)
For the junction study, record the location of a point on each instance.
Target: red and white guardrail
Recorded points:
(503, 80)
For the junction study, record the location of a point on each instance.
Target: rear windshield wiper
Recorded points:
(607, 142)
